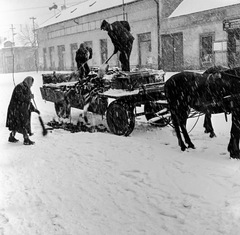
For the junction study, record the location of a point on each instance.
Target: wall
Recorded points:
(141, 16)
(193, 25)
(23, 59)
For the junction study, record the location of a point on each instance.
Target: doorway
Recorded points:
(233, 48)
(172, 52)
(145, 50)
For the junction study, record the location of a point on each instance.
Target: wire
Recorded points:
(23, 9)
(32, 8)
(47, 20)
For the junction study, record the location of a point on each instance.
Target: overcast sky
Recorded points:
(19, 12)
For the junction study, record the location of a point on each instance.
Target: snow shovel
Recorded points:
(104, 67)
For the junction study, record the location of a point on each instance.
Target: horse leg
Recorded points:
(185, 134)
(178, 133)
(208, 125)
(233, 146)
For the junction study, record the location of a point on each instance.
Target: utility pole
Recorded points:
(12, 44)
(64, 5)
(158, 33)
(34, 37)
(34, 45)
(123, 6)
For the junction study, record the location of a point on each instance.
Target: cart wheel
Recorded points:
(63, 109)
(150, 110)
(120, 118)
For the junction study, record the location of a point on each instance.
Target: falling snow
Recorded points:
(100, 183)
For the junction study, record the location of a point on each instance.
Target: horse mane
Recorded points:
(216, 69)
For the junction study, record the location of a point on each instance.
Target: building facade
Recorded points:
(16, 58)
(187, 41)
(58, 42)
(203, 39)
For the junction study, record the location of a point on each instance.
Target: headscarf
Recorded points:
(29, 81)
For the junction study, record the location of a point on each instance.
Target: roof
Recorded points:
(193, 6)
(84, 8)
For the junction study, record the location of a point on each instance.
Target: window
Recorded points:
(44, 58)
(103, 50)
(85, 27)
(206, 50)
(79, 28)
(98, 24)
(61, 57)
(92, 25)
(145, 49)
(51, 55)
(74, 48)
(88, 43)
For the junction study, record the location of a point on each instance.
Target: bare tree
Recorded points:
(27, 37)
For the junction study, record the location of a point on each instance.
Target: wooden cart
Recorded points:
(122, 111)
(126, 91)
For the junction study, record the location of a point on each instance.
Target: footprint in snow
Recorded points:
(223, 153)
(3, 219)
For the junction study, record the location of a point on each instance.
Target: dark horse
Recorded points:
(216, 92)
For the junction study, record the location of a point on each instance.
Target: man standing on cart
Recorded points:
(122, 39)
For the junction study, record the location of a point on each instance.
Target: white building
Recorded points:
(60, 37)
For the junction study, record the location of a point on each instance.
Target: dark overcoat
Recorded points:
(19, 109)
(83, 54)
(121, 37)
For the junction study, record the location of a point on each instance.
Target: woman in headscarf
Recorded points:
(19, 111)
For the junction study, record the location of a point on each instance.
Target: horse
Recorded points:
(216, 92)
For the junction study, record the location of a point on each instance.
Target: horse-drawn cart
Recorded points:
(116, 96)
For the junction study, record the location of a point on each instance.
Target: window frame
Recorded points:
(209, 59)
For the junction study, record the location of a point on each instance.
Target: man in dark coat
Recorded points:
(122, 39)
(19, 111)
(83, 54)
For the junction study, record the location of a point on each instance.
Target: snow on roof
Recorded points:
(193, 6)
(84, 8)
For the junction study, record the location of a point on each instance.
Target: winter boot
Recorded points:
(28, 142)
(12, 139)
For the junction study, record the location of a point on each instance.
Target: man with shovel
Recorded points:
(83, 54)
(122, 39)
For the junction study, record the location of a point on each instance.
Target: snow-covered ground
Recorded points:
(99, 183)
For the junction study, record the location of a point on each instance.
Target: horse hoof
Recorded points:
(212, 134)
(235, 156)
(191, 146)
(183, 148)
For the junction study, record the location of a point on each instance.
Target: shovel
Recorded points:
(104, 67)
(44, 130)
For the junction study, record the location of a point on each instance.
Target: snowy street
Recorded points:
(102, 184)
